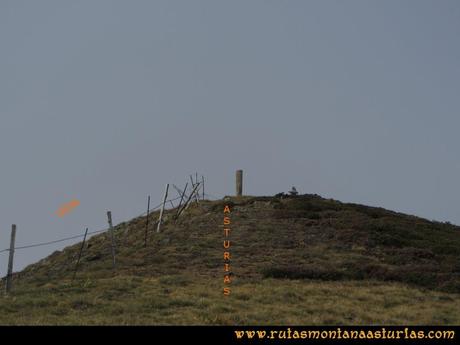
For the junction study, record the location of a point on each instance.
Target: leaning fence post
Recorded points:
(187, 203)
(9, 276)
(193, 185)
(195, 192)
(162, 207)
(181, 199)
(109, 218)
(79, 255)
(183, 195)
(147, 222)
(178, 190)
(197, 195)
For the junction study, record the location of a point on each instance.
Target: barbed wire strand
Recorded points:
(79, 236)
(57, 241)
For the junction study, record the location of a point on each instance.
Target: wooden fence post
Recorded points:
(79, 255)
(181, 199)
(202, 185)
(187, 203)
(9, 276)
(178, 190)
(109, 218)
(147, 222)
(193, 185)
(239, 182)
(194, 194)
(162, 207)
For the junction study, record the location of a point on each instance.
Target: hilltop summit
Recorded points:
(304, 240)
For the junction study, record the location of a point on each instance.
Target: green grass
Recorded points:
(173, 300)
(303, 260)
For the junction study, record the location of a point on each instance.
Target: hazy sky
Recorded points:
(106, 101)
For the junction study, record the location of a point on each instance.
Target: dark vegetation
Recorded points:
(281, 237)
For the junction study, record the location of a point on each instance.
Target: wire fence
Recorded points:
(34, 245)
(196, 193)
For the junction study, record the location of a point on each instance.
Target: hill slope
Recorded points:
(297, 260)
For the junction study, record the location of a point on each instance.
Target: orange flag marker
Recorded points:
(67, 207)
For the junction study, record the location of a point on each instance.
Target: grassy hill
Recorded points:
(295, 260)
